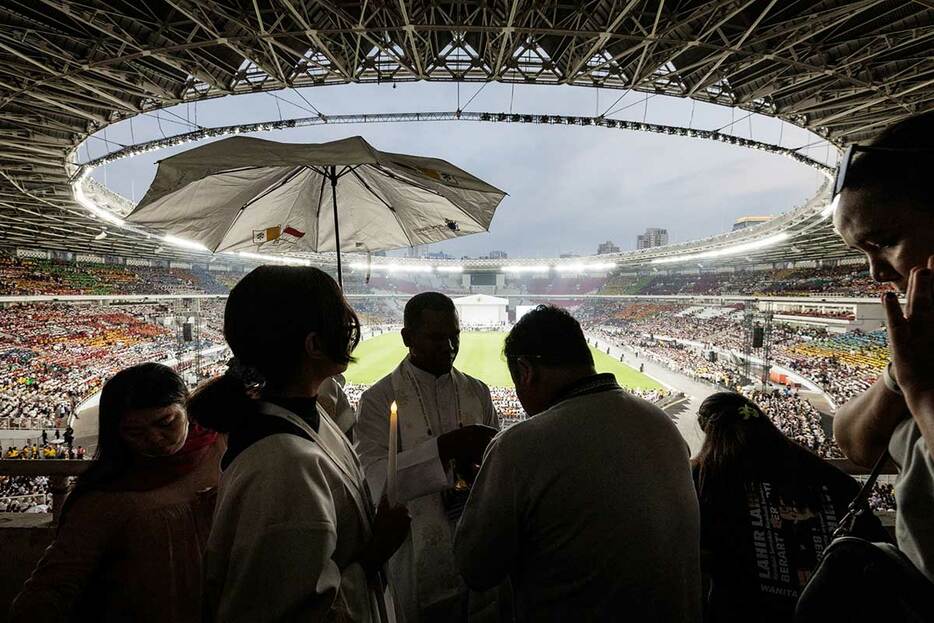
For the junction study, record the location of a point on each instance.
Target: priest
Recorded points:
(445, 421)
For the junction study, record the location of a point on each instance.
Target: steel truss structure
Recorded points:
(842, 69)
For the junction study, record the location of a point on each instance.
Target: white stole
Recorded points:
(363, 599)
(426, 559)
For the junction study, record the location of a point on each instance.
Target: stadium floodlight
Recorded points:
(449, 269)
(735, 249)
(281, 259)
(85, 202)
(518, 268)
(101, 235)
(406, 268)
(583, 268)
(393, 267)
(185, 244)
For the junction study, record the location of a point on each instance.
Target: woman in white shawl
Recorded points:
(295, 534)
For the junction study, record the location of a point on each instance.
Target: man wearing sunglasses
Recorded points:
(884, 208)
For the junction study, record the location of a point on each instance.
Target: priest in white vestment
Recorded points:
(446, 420)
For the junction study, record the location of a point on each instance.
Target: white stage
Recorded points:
(481, 310)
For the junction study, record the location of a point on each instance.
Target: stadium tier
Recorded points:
(55, 356)
(30, 276)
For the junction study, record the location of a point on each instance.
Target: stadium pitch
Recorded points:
(481, 356)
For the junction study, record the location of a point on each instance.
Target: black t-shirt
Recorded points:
(760, 547)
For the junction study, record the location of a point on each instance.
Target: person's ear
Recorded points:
(406, 337)
(527, 373)
(313, 347)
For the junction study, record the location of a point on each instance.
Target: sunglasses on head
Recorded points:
(852, 150)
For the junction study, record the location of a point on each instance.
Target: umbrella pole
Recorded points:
(337, 231)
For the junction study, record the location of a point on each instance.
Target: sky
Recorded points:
(570, 187)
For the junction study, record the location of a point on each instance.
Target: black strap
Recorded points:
(258, 427)
(859, 503)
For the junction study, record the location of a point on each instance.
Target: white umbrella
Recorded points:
(249, 194)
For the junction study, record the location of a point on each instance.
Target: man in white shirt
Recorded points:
(446, 419)
(333, 399)
(588, 506)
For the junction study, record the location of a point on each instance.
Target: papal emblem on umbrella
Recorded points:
(250, 194)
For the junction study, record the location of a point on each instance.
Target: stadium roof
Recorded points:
(842, 69)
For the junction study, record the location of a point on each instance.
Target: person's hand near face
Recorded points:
(911, 335)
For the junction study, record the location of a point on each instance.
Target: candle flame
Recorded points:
(392, 408)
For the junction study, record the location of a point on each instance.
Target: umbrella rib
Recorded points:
(275, 186)
(389, 173)
(282, 182)
(395, 214)
(318, 213)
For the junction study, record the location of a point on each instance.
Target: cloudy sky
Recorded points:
(569, 187)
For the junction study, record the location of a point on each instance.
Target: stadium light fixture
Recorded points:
(101, 235)
(736, 249)
(281, 259)
(183, 243)
(407, 268)
(517, 268)
(449, 269)
(393, 267)
(85, 202)
(583, 268)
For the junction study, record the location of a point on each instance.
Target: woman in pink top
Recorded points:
(132, 532)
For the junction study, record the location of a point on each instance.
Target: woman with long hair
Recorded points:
(768, 509)
(295, 535)
(133, 529)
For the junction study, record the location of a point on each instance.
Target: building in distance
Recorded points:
(607, 247)
(653, 237)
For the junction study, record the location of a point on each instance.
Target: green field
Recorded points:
(481, 356)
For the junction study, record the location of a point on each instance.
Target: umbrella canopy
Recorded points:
(250, 194)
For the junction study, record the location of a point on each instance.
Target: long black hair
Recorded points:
(741, 444)
(268, 316)
(143, 386)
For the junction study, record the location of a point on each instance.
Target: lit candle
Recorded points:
(393, 450)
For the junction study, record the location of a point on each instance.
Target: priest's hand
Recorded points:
(390, 529)
(465, 445)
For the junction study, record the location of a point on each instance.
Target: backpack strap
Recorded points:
(258, 428)
(859, 503)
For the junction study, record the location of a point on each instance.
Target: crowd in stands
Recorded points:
(842, 364)
(27, 276)
(53, 356)
(33, 452)
(22, 494)
(22, 277)
(844, 281)
(821, 314)
(882, 497)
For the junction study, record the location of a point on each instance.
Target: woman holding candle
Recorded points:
(295, 535)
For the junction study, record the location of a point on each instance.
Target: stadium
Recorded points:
(779, 309)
